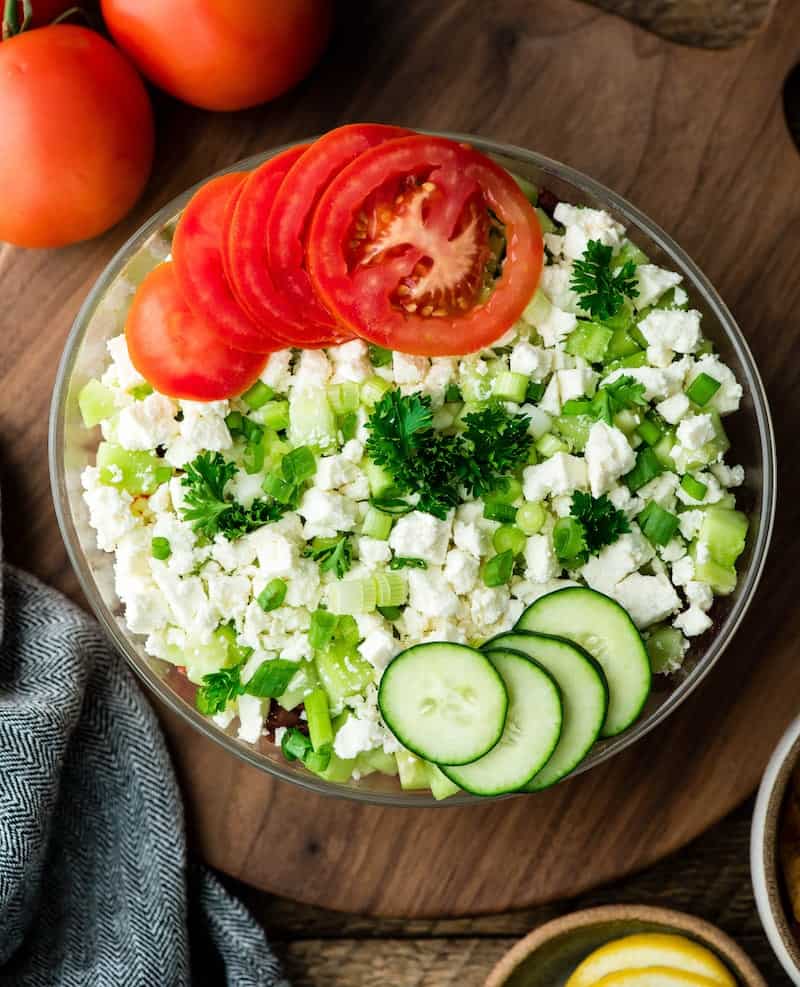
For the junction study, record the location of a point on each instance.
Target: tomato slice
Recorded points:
(248, 261)
(406, 247)
(177, 352)
(294, 205)
(199, 267)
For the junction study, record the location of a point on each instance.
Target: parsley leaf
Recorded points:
(394, 506)
(624, 392)
(601, 521)
(208, 510)
(218, 689)
(495, 443)
(602, 291)
(333, 554)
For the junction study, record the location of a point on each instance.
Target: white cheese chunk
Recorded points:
(647, 599)
(608, 456)
(421, 536)
(652, 282)
(560, 474)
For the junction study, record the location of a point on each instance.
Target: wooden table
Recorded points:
(42, 291)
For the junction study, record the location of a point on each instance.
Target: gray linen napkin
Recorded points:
(95, 886)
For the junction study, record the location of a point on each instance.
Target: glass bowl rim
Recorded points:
(120, 638)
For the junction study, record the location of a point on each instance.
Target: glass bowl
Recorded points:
(72, 447)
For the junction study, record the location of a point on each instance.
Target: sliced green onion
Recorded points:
(299, 465)
(318, 716)
(535, 391)
(647, 468)
(235, 423)
(253, 455)
(160, 548)
(373, 389)
(96, 403)
(497, 570)
(320, 632)
(530, 517)
(657, 524)
(576, 406)
(278, 488)
(510, 386)
(258, 395)
(391, 589)
(569, 538)
(702, 389)
(349, 426)
(271, 679)
(405, 562)
(508, 537)
(379, 356)
(295, 745)
(650, 431)
(391, 613)
(275, 415)
(389, 504)
(636, 334)
(343, 397)
(452, 394)
(509, 493)
(352, 596)
(376, 524)
(272, 595)
(694, 487)
(495, 511)
(318, 761)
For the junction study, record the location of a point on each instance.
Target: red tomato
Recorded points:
(399, 247)
(299, 192)
(177, 352)
(217, 54)
(197, 253)
(247, 259)
(76, 136)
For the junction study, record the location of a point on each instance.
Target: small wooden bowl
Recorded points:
(548, 955)
(764, 856)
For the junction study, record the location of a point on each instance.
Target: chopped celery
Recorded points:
(376, 760)
(665, 648)
(344, 397)
(303, 682)
(589, 340)
(657, 524)
(135, 472)
(694, 487)
(373, 389)
(621, 345)
(724, 532)
(274, 415)
(348, 425)
(647, 468)
(508, 537)
(662, 450)
(575, 429)
(379, 480)
(278, 488)
(376, 524)
(96, 403)
(629, 251)
(320, 728)
(537, 309)
(637, 359)
(391, 589)
(702, 389)
(311, 421)
(530, 517)
(441, 786)
(298, 465)
(412, 771)
(338, 770)
(258, 395)
(650, 431)
(352, 596)
(343, 675)
(549, 444)
(529, 190)
(627, 421)
(323, 626)
(510, 387)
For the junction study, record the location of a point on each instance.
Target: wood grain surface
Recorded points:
(698, 140)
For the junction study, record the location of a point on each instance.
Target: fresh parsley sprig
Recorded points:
(621, 394)
(602, 523)
(207, 507)
(494, 443)
(270, 680)
(602, 291)
(332, 554)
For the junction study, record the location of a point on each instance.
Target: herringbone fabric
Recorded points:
(95, 890)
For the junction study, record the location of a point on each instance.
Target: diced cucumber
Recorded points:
(412, 771)
(724, 532)
(376, 524)
(96, 403)
(343, 676)
(721, 578)
(575, 429)
(621, 345)
(537, 309)
(373, 389)
(629, 252)
(600, 626)
(209, 656)
(440, 785)
(311, 420)
(273, 415)
(584, 695)
(532, 730)
(627, 421)
(136, 472)
(665, 647)
(444, 702)
(379, 480)
(376, 760)
(510, 387)
(529, 190)
(304, 681)
(589, 340)
(339, 770)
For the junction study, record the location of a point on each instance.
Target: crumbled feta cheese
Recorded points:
(203, 429)
(729, 395)
(683, 571)
(659, 383)
(429, 593)
(145, 609)
(109, 510)
(576, 383)
(702, 553)
(277, 555)
(692, 622)
(560, 474)
(461, 570)
(526, 591)
(647, 599)
(421, 536)
(441, 374)
(181, 540)
(251, 718)
(555, 285)
(554, 243)
(186, 598)
(551, 399)
(616, 561)
(540, 560)
(674, 408)
(277, 373)
(584, 224)
(695, 431)
(488, 604)
(714, 491)
(372, 551)
(313, 369)
(378, 648)
(532, 361)
(540, 421)
(147, 424)
(674, 549)
(668, 332)
(327, 511)
(246, 487)
(359, 489)
(409, 369)
(229, 594)
(690, 523)
(556, 325)
(662, 490)
(699, 595)
(304, 585)
(127, 375)
(608, 456)
(728, 476)
(334, 471)
(351, 361)
(353, 451)
(652, 282)
(355, 736)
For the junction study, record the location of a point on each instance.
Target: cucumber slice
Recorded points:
(584, 693)
(604, 629)
(533, 726)
(444, 702)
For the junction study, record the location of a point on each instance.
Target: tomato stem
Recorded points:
(71, 13)
(10, 21)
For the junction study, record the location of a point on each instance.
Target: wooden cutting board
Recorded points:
(698, 140)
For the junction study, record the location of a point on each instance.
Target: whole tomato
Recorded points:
(217, 54)
(76, 136)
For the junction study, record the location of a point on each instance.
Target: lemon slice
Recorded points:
(654, 976)
(651, 949)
